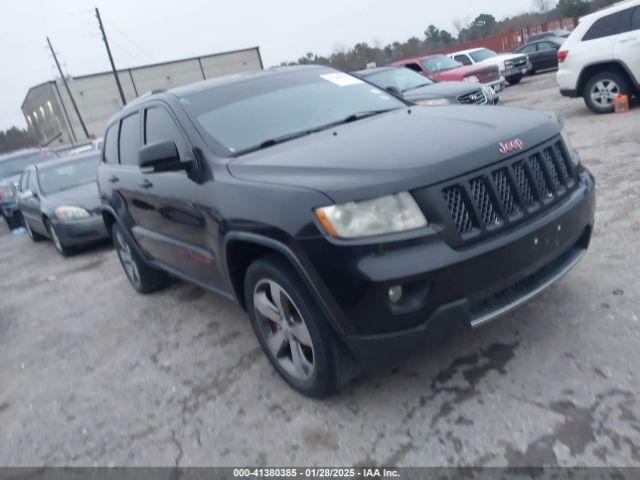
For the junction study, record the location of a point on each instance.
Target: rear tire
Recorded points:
(141, 276)
(514, 80)
(602, 88)
(35, 237)
(293, 331)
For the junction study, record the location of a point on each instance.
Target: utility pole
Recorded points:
(66, 85)
(113, 66)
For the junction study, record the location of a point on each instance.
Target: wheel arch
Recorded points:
(589, 70)
(243, 248)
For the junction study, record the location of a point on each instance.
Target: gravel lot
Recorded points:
(93, 374)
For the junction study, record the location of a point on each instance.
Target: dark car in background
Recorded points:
(59, 200)
(424, 91)
(543, 54)
(11, 167)
(350, 224)
(559, 33)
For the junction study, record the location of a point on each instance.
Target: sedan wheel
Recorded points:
(283, 329)
(126, 259)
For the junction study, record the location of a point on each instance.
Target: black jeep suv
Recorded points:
(347, 223)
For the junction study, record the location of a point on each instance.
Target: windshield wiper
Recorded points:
(365, 114)
(292, 136)
(416, 87)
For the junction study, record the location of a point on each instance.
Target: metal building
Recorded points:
(50, 115)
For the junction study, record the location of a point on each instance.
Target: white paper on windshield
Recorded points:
(341, 79)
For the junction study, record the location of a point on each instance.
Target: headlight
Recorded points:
(388, 214)
(70, 213)
(471, 78)
(434, 101)
(575, 158)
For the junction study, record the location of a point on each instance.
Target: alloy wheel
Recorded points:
(604, 92)
(283, 329)
(56, 241)
(126, 259)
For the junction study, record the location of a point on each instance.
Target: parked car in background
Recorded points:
(11, 167)
(601, 58)
(349, 223)
(424, 91)
(95, 146)
(444, 69)
(559, 33)
(513, 66)
(542, 54)
(59, 200)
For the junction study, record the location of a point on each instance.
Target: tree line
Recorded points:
(15, 138)
(435, 39)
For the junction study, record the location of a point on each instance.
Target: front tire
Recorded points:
(293, 331)
(141, 276)
(62, 250)
(602, 88)
(514, 80)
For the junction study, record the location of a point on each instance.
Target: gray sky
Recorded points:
(147, 31)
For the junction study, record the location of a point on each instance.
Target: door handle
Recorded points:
(630, 39)
(145, 183)
(114, 179)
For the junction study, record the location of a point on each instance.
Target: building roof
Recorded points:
(150, 65)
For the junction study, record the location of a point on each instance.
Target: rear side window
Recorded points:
(414, 67)
(463, 59)
(618, 22)
(129, 144)
(635, 20)
(111, 145)
(544, 46)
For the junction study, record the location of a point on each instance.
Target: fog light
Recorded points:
(395, 293)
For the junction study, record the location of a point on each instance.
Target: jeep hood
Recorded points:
(400, 150)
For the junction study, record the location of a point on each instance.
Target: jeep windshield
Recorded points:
(258, 113)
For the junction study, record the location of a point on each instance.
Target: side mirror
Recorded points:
(160, 157)
(394, 91)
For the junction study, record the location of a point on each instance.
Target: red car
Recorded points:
(445, 69)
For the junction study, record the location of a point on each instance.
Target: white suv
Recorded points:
(601, 57)
(513, 66)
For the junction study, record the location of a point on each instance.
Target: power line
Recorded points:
(131, 40)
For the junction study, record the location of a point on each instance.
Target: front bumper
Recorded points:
(73, 233)
(515, 71)
(445, 287)
(498, 85)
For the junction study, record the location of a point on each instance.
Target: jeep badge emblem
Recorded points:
(511, 146)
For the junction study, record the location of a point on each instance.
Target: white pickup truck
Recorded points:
(513, 66)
